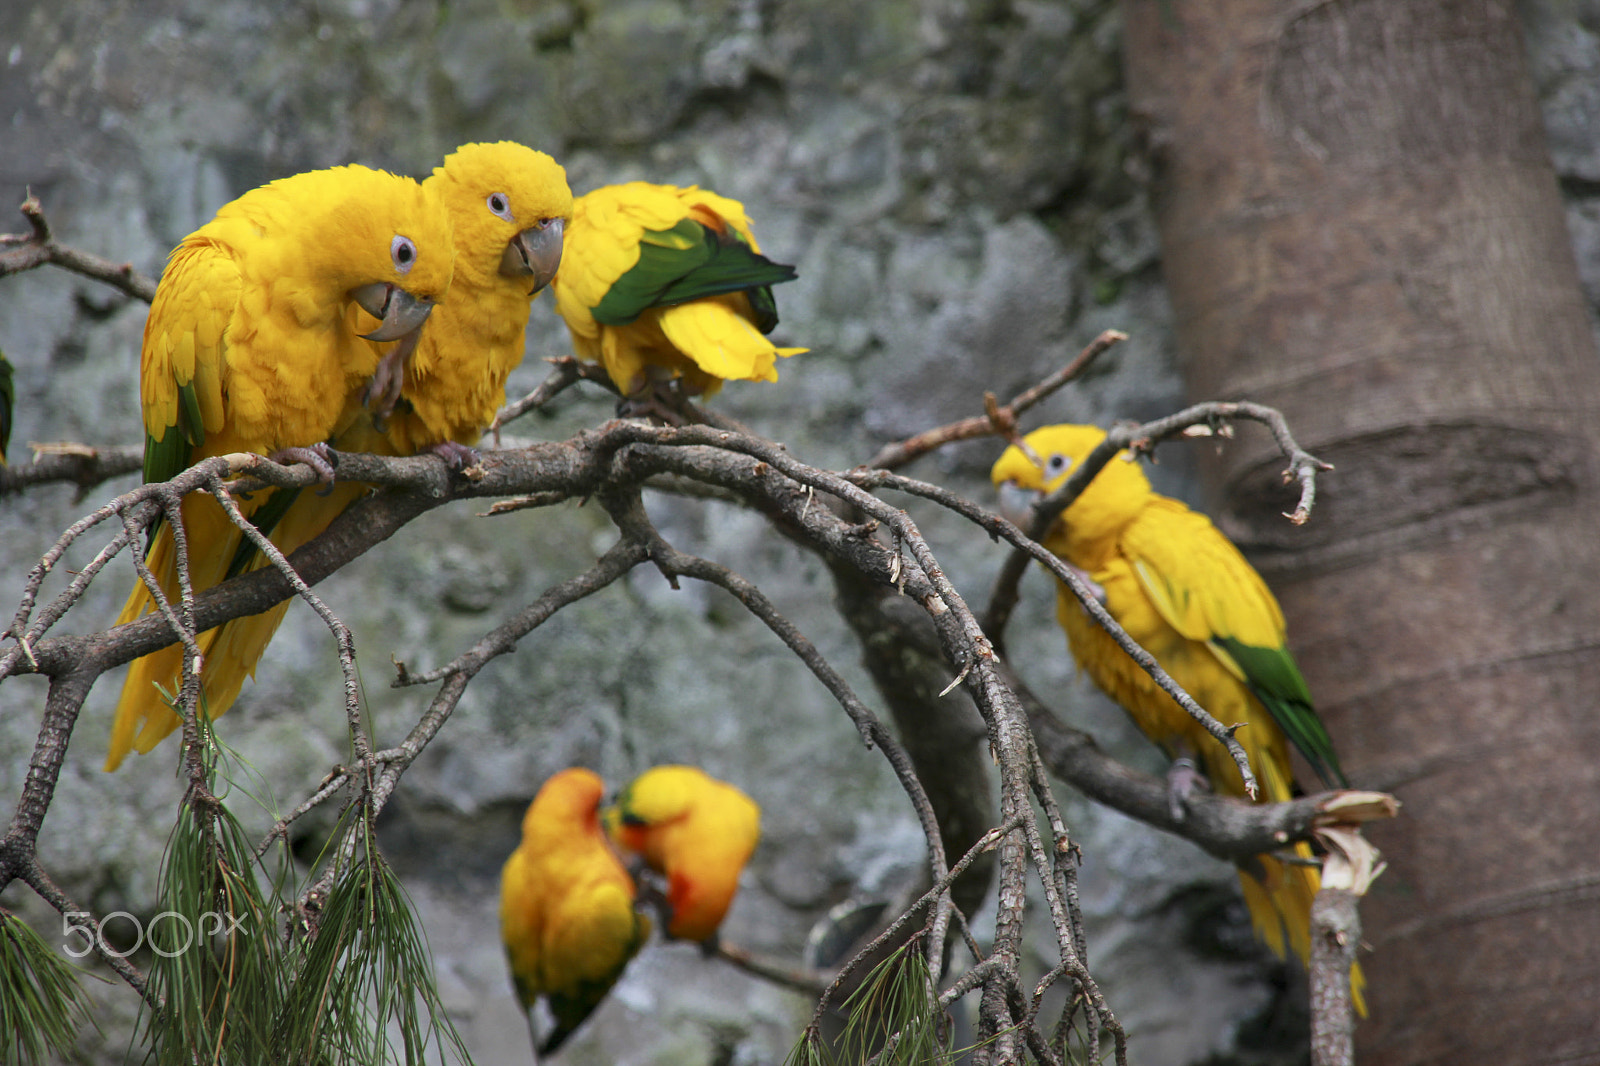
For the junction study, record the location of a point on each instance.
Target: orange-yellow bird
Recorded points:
(1184, 593)
(256, 341)
(566, 906)
(696, 831)
(660, 283)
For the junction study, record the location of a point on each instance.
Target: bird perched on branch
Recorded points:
(661, 283)
(694, 830)
(509, 206)
(1183, 592)
(566, 906)
(257, 340)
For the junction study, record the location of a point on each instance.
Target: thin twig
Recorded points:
(29, 250)
(84, 465)
(997, 420)
(567, 371)
(985, 843)
(806, 981)
(342, 636)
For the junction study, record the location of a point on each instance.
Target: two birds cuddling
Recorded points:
(354, 310)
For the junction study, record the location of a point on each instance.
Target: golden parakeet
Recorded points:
(660, 282)
(257, 340)
(1184, 593)
(696, 831)
(566, 906)
(509, 205)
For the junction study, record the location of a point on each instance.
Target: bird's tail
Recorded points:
(144, 715)
(1279, 895)
(717, 334)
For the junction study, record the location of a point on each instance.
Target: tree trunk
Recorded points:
(1360, 226)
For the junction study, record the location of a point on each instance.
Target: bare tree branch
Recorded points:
(83, 465)
(25, 251)
(1001, 420)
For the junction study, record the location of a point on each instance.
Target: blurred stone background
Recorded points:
(958, 185)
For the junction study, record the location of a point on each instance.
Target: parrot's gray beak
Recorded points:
(398, 311)
(1016, 503)
(535, 253)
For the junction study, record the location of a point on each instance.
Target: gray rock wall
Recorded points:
(952, 180)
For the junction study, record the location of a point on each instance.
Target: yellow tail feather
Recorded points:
(232, 650)
(1279, 896)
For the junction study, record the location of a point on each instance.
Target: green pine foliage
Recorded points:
(892, 1020)
(42, 1006)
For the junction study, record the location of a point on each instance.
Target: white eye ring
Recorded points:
(500, 204)
(403, 251)
(1056, 464)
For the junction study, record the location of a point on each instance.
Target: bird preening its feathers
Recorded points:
(1185, 594)
(567, 902)
(566, 906)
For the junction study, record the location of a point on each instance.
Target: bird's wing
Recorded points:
(183, 365)
(1206, 590)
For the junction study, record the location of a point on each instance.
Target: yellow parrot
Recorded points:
(509, 205)
(1186, 595)
(660, 283)
(696, 831)
(256, 341)
(566, 906)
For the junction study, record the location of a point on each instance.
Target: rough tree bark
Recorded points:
(1361, 227)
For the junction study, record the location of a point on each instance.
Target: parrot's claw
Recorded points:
(455, 455)
(1184, 779)
(383, 391)
(651, 406)
(389, 378)
(318, 457)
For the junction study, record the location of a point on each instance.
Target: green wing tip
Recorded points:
(672, 273)
(1272, 675)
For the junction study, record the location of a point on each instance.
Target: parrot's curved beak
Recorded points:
(535, 253)
(397, 310)
(1016, 503)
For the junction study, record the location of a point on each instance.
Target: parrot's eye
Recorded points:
(500, 204)
(1056, 464)
(403, 250)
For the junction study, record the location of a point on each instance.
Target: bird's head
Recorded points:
(1048, 457)
(379, 239)
(571, 796)
(510, 206)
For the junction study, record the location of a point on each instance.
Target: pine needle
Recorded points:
(366, 981)
(42, 1005)
(217, 963)
(892, 1020)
